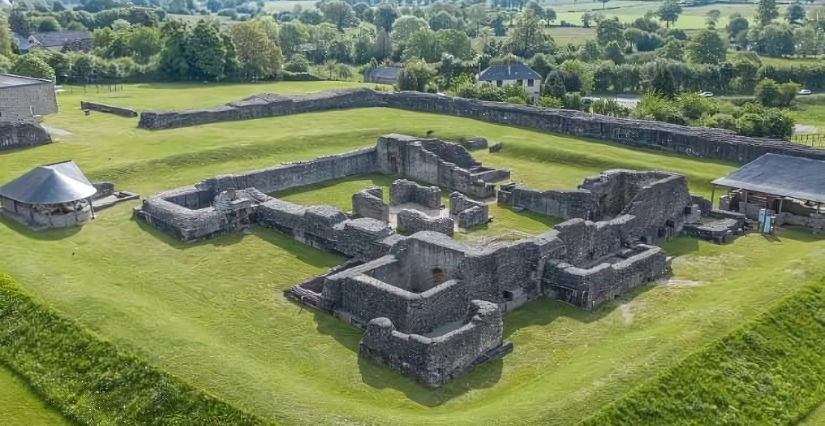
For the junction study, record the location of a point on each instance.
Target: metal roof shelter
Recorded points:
(787, 176)
(11, 80)
(50, 184)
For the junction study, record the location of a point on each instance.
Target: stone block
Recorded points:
(413, 221)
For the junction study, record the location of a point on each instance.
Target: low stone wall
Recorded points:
(38, 219)
(415, 221)
(468, 213)
(434, 361)
(109, 109)
(587, 288)
(403, 191)
(717, 144)
(370, 203)
(22, 134)
(563, 204)
(104, 189)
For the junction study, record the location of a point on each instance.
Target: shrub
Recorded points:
(33, 66)
(550, 102)
(572, 101)
(298, 62)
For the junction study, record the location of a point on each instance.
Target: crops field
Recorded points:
(212, 312)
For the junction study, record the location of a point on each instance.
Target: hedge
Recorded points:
(770, 372)
(91, 382)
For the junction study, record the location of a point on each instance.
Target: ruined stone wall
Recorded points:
(21, 102)
(717, 144)
(109, 109)
(313, 226)
(415, 221)
(451, 153)
(403, 191)
(370, 203)
(434, 361)
(564, 204)
(289, 175)
(588, 287)
(22, 134)
(468, 213)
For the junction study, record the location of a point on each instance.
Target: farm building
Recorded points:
(382, 75)
(22, 97)
(62, 41)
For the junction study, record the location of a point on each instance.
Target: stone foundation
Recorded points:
(22, 134)
(468, 213)
(370, 203)
(403, 191)
(412, 221)
(109, 109)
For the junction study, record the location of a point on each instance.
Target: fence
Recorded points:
(813, 140)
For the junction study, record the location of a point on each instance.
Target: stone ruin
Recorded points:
(22, 133)
(432, 306)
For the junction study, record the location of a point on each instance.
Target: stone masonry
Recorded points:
(468, 213)
(22, 134)
(403, 191)
(719, 144)
(370, 203)
(412, 221)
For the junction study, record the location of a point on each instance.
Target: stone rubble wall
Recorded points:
(370, 203)
(587, 288)
(580, 204)
(434, 361)
(23, 102)
(719, 144)
(109, 109)
(104, 189)
(401, 155)
(468, 212)
(403, 191)
(415, 221)
(22, 134)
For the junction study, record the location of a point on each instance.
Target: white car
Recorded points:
(804, 92)
(706, 94)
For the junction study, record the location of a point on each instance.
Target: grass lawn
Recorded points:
(213, 313)
(816, 418)
(20, 407)
(571, 35)
(288, 5)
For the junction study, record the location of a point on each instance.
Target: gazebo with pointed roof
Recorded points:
(50, 196)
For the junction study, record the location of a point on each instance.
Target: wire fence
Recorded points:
(816, 140)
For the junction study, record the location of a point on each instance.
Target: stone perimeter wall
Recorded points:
(22, 134)
(716, 144)
(110, 109)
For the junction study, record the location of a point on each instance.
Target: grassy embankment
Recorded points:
(212, 313)
(770, 372)
(87, 379)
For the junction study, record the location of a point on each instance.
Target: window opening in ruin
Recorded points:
(438, 276)
(507, 295)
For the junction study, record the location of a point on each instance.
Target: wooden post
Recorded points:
(712, 196)
(91, 206)
(742, 208)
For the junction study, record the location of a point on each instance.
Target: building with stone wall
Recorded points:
(24, 97)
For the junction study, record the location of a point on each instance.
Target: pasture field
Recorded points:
(288, 5)
(213, 313)
(21, 407)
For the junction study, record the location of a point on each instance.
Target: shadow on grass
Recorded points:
(45, 235)
(680, 246)
(374, 179)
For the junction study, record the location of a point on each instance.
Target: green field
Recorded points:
(288, 5)
(213, 314)
(20, 407)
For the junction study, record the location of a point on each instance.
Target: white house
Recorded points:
(522, 75)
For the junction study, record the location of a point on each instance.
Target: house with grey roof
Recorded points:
(382, 75)
(521, 75)
(23, 97)
(23, 45)
(62, 41)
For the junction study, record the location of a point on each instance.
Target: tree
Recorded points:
(344, 71)
(297, 63)
(257, 54)
(415, 75)
(767, 11)
(586, 19)
(477, 14)
(806, 41)
(497, 24)
(673, 50)
(455, 43)
(795, 13)
(385, 16)
(205, 52)
(48, 24)
(6, 39)
(58, 6)
(669, 12)
(292, 35)
(214, 6)
(572, 70)
(144, 42)
(339, 14)
(608, 30)
(330, 67)
(775, 40)
(632, 35)
(443, 21)
(663, 82)
(614, 53)
(554, 85)
(604, 3)
(736, 25)
(32, 66)
(712, 17)
(706, 47)
(423, 45)
(528, 38)
(405, 26)
(361, 9)
(383, 46)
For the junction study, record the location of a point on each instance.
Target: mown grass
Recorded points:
(20, 406)
(88, 380)
(770, 372)
(213, 313)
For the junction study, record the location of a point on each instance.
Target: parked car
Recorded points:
(706, 94)
(804, 92)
